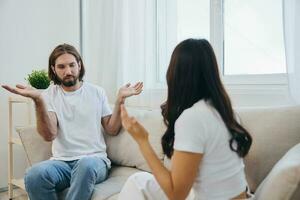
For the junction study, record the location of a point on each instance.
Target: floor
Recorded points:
(18, 193)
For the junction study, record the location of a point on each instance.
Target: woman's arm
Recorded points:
(177, 182)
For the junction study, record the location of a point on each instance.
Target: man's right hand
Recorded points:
(24, 91)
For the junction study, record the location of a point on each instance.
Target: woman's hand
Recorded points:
(136, 130)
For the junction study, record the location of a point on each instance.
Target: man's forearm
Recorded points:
(115, 124)
(46, 126)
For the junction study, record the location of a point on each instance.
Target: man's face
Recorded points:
(67, 70)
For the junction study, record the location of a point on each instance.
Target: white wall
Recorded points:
(29, 30)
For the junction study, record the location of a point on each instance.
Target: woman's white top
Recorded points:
(200, 129)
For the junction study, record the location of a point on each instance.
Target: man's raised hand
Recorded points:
(24, 91)
(127, 91)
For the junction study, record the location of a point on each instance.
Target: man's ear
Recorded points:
(79, 65)
(53, 69)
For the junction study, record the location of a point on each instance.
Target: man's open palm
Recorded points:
(24, 91)
(127, 90)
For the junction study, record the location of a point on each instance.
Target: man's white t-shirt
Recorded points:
(200, 129)
(79, 116)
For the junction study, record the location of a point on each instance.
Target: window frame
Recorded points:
(261, 81)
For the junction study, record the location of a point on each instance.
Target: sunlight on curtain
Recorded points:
(122, 45)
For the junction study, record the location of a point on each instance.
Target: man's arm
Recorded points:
(46, 121)
(112, 123)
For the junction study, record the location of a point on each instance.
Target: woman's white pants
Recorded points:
(143, 186)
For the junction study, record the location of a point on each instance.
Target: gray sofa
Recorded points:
(274, 131)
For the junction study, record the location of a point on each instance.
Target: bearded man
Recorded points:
(70, 113)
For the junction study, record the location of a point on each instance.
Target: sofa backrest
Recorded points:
(123, 150)
(274, 132)
(35, 147)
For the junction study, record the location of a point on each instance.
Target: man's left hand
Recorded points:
(127, 91)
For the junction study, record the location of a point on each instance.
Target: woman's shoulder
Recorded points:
(202, 115)
(191, 128)
(200, 110)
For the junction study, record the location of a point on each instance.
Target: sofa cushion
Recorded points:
(114, 197)
(36, 148)
(114, 183)
(111, 186)
(123, 150)
(284, 178)
(274, 132)
(117, 171)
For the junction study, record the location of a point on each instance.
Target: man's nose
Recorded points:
(68, 71)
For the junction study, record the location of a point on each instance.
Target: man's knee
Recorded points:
(35, 176)
(90, 167)
(87, 166)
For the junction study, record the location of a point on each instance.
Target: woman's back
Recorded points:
(200, 129)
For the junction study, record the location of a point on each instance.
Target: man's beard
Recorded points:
(67, 82)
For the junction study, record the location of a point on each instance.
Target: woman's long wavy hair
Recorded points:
(193, 75)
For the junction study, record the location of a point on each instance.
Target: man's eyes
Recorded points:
(63, 66)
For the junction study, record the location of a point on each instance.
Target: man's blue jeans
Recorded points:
(45, 179)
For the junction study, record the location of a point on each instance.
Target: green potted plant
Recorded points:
(38, 79)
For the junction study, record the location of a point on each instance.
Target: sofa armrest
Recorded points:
(284, 178)
(36, 148)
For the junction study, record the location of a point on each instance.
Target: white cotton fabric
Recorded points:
(200, 129)
(79, 116)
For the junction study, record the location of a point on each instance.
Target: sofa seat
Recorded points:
(109, 189)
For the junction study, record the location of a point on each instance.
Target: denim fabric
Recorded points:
(44, 180)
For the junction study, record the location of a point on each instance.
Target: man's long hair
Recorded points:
(58, 51)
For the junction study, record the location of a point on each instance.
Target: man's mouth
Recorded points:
(68, 77)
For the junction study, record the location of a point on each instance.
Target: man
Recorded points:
(70, 114)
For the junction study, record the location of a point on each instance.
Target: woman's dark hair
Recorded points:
(193, 75)
(58, 51)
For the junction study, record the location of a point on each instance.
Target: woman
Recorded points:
(205, 142)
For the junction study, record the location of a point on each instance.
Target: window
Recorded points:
(193, 19)
(184, 19)
(247, 36)
(253, 37)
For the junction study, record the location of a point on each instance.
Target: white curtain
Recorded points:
(291, 20)
(121, 44)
